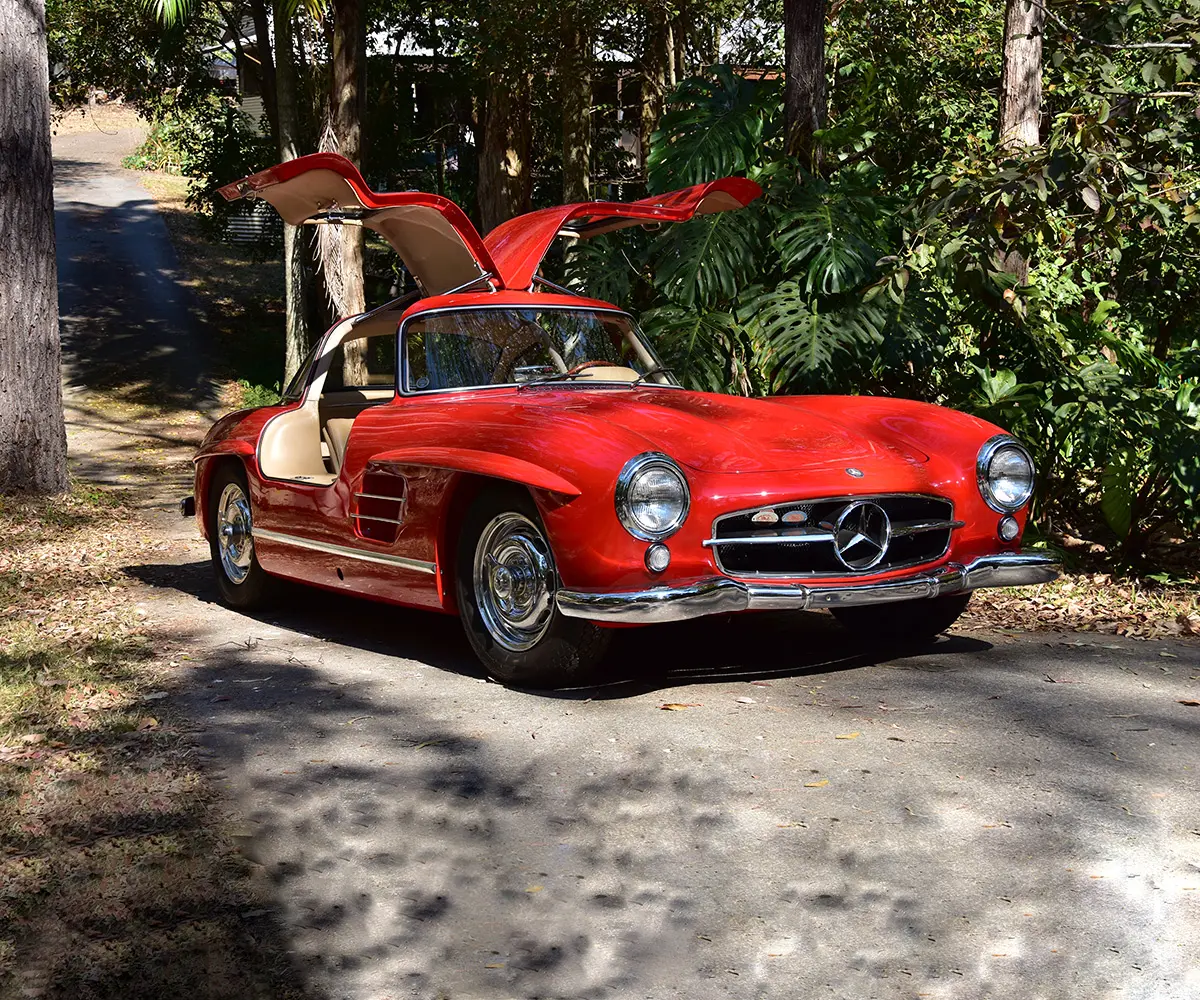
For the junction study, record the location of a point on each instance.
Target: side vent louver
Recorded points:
(378, 507)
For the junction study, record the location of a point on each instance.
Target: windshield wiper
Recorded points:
(661, 369)
(552, 377)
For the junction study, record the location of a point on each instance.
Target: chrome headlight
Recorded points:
(652, 497)
(1005, 473)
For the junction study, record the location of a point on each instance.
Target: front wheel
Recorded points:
(506, 587)
(903, 621)
(241, 580)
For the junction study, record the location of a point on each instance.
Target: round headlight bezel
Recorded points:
(636, 467)
(991, 447)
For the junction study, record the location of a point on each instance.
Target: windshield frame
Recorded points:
(403, 389)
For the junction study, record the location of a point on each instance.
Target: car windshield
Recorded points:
(489, 346)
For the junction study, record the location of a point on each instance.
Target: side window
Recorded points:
(369, 363)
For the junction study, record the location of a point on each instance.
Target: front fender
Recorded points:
(493, 465)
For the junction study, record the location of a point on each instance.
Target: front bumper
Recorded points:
(721, 595)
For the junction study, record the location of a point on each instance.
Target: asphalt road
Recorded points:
(128, 322)
(996, 815)
(992, 816)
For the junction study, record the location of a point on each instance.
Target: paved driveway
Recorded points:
(995, 816)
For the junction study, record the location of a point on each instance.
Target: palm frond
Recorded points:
(171, 12)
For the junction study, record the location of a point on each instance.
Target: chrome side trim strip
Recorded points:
(720, 595)
(416, 565)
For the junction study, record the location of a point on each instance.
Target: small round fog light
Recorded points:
(658, 558)
(1008, 529)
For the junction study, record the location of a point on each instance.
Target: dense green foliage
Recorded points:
(887, 273)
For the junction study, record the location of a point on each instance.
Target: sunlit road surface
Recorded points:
(993, 815)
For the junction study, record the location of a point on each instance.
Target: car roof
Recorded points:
(505, 298)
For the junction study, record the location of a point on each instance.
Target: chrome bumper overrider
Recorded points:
(720, 595)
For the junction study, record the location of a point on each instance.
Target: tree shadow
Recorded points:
(129, 323)
(448, 838)
(721, 649)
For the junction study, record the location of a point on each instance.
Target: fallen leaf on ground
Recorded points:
(34, 738)
(817, 784)
(534, 888)
(788, 826)
(678, 706)
(149, 722)
(1190, 702)
(744, 700)
(155, 696)
(848, 736)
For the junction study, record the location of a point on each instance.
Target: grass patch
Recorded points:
(117, 877)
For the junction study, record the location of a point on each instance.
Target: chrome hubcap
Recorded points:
(235, 540)
(514, 581)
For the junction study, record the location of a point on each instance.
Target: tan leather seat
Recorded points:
(335, 434)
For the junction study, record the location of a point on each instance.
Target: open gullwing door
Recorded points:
(432, 235)
(517, 246)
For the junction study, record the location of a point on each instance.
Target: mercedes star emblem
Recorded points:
(861, 535)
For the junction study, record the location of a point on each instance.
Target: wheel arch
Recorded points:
(206, 467)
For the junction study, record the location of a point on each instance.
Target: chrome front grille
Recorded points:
(840, 536)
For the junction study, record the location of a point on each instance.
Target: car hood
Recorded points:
(733, 434)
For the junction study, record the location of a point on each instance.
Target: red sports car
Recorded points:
(499, 448)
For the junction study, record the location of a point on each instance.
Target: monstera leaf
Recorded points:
(713, 128)
(604, 267)
(701, 348)
(707, 259)
(1117, 491)
(832, 238)
(794, 336)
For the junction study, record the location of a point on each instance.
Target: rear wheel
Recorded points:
(903, 621)
(240, 579)
(506, 588)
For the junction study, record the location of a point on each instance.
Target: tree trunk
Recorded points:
(1018, 128)
(657, 53)
(33, 440)
(505, 180)
(347, 101)
(258, 13)
(575, 81)
(296, 333)
(1021, 78)
(804, 70)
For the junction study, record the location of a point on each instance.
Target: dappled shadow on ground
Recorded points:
(710, 650)
(452, 838)
(129, 324)
(118, 882)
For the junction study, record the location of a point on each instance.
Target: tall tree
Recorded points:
(575, 83)
(1021, 79)
(296, 331)
(33, 441)
(804, 72)
(1019, 122)
(342, 245)
(505, 174)
(657, 58)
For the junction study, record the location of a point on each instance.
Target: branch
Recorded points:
(1108, 45)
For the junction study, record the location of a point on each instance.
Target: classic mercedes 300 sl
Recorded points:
(497, 447)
